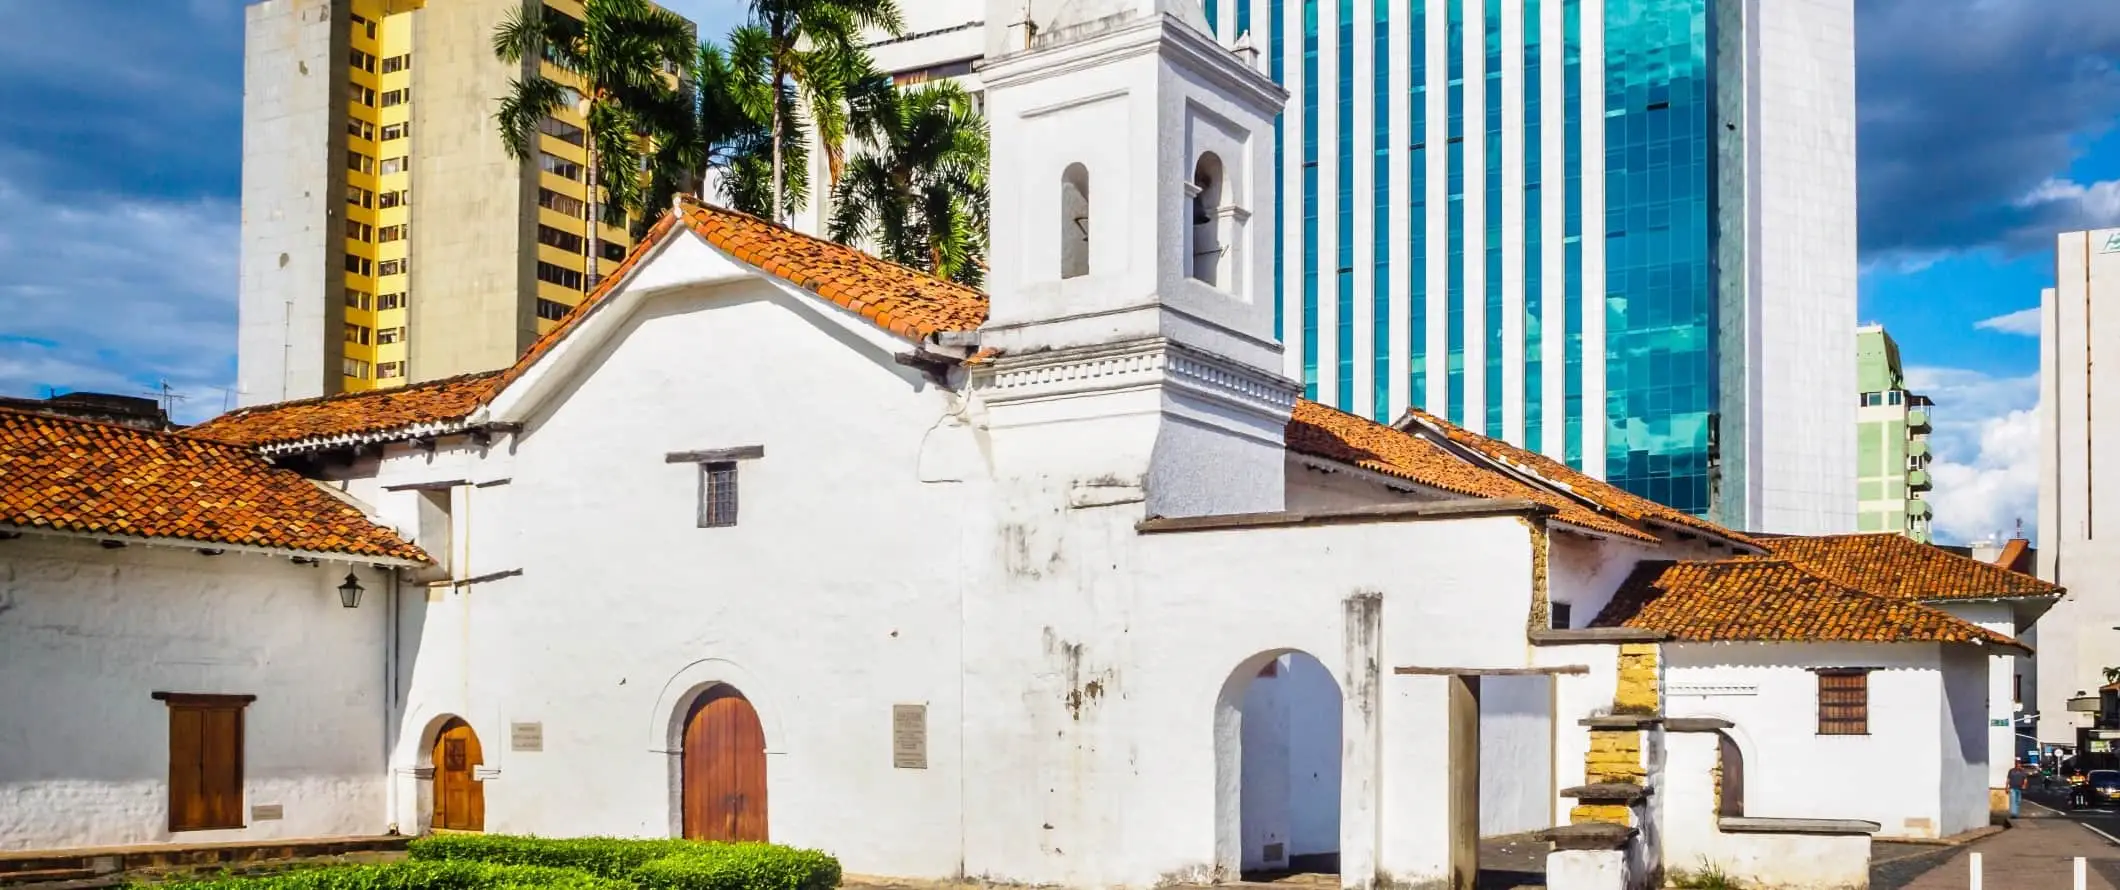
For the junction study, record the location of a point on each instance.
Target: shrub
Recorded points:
(741, 867)
(1709, 877)
(651, 864)
(608, 857)
(429, 875)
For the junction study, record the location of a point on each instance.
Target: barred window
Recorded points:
(717, 494)
(1844, 702)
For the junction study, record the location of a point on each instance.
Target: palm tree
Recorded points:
(920, 195)
(809, 47)
(619, 52)
(731, 127)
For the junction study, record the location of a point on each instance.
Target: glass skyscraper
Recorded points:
(1571, 234)
(1617, 232)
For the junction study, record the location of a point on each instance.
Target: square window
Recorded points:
(717, 494)
(1844, 702)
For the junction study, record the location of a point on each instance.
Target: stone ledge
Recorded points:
(1621, 721)
(1588, 836)
(1696, 724)
(1618, 792)
(1580, 635)
(1770, 825)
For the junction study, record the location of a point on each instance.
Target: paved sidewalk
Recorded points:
(2036, 854)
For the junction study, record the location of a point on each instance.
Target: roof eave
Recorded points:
(195, 544)
(370, 437)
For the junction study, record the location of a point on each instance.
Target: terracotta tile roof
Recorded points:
(101, 479)
(1607, 496)
(906, 302)
(1771, 600)
(1335, 435)
(375, 412)
(1894, 565)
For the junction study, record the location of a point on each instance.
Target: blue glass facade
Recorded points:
(1310, 199)
(1417, 216)
(1454, 293)
(1660, 369)
(1343, 257)
(1657, 292)
(1534, 281)
(1491, 207)
(1380, 210)
(1572, 230)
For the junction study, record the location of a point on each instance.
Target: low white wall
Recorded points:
(88, 634)
(1769, 691)
(1693, 841)
(1516, 754)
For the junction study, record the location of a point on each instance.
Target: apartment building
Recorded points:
(1617, 232)
(387, 237)
(1892, 425)
(2079, 373)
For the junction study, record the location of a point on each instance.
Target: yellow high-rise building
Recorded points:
(387, 236)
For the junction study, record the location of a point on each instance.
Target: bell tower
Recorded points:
(1132, 298)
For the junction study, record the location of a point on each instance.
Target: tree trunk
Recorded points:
(779, 173)
(596, 220)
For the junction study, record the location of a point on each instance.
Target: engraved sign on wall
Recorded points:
(909, 736)
(267, 812)
(526, 736)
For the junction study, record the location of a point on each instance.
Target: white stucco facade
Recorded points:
(1927, 718)
(88, 635)
(2076, 379)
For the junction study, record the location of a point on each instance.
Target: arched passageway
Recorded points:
(1278, 751)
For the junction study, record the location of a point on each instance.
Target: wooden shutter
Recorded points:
(205, 760)
(1844, 702)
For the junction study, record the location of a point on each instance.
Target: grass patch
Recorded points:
(507, 862)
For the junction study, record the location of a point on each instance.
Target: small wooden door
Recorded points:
(459, 796)
(724, 769)
(1464, 716)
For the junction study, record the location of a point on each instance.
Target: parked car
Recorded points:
(2100, 787)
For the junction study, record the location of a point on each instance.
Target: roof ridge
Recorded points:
(178, 435)
(354, 394)
(827, 242)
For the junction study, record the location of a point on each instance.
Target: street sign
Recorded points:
(2112, 243)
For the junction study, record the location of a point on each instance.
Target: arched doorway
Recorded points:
(724, 768)
(459, 797)
(1278, 737)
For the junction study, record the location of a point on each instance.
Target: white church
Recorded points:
(1060, 583)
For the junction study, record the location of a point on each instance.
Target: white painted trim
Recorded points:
(1553, 232)
(1475, 207)
(1329, 234)
(1513, 221)
(1398, 389)
(1363, 202)
(188, 544)
(1438, 151)
(1593, 201)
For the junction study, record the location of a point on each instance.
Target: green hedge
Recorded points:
(741, 867)
(608, 857)
(411, 876)
(647, 864)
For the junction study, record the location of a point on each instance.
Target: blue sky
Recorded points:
(1985, 127)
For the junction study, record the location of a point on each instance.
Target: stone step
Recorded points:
(1607, 792)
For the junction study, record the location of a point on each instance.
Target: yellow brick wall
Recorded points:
(1639, 691)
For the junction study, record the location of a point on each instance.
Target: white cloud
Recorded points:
(2023, 321)
(118, 297)
(1986, 442)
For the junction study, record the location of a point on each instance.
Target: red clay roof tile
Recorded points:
(1890, 564)
(99, 479)
(1771, 600)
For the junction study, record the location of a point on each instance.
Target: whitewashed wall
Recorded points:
(87, 634)
(1999, 692)
(1770, 693)
(1516, 755)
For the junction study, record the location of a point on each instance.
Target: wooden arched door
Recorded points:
(459, 797)
(724, 769)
